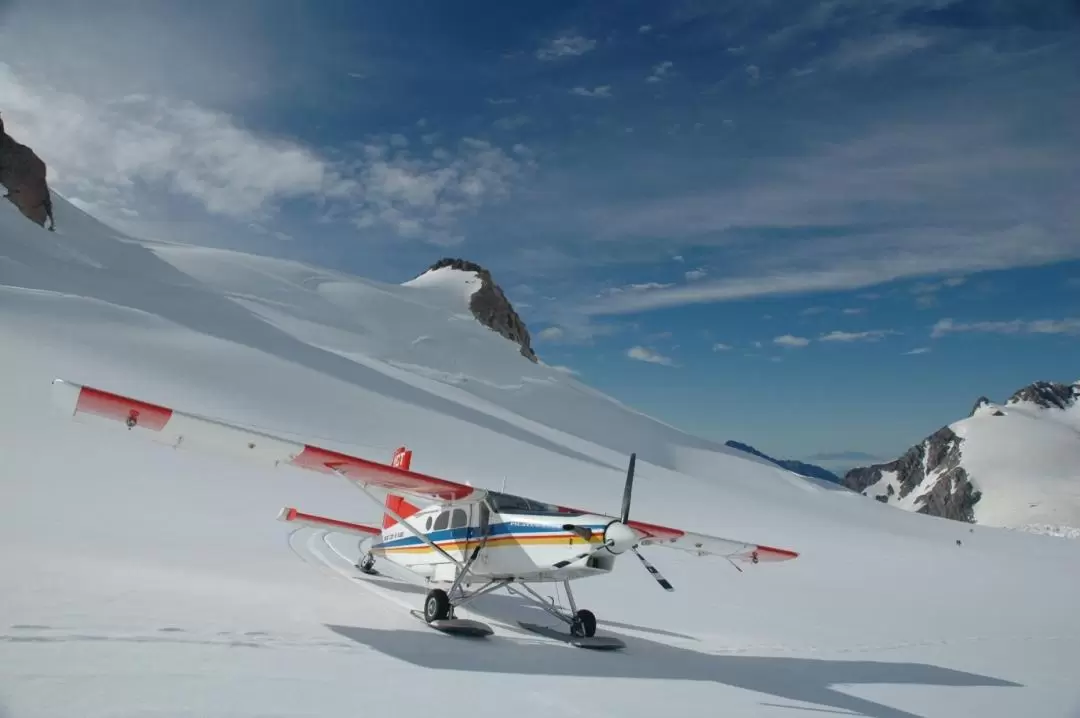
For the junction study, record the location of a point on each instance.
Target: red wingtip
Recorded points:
(770, 553)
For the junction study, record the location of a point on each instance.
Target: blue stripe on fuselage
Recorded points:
(505, 528)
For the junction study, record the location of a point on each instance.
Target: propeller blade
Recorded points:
(655, 574)
(628, 489)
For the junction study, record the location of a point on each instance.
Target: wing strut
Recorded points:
(403, 522)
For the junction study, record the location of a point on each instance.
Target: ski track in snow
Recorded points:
(145, 580)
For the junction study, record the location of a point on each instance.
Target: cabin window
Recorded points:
(442, 521)
(460, 519)
(427, 526)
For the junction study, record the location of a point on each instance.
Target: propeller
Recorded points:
(618, 536)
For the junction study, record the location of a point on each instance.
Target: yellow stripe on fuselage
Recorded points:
(493, 542)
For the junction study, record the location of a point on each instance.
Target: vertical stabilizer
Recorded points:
(395, 503)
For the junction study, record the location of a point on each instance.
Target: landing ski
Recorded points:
(596, 643)
(456, 626)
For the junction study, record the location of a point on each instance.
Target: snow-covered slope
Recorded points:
(1015, 464)
(143, 580)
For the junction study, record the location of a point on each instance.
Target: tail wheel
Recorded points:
(584, 625)
(436, 605)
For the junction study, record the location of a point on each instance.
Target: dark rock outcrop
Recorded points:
(491, 307)
(979, 403)
(952, 495)
(1048, 394)
(799, 467)
(22, 173)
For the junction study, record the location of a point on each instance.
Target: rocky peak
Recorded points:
(1048, 394)
(22, 173)
(933, 468)
(979, 403)
(491, 307)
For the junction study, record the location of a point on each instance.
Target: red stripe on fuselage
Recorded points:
(121, 408)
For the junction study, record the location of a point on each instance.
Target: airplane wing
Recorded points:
(183, 430)
(703, 544)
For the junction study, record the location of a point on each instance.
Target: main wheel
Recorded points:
(584, 625)
(367, 564)
(436, 605)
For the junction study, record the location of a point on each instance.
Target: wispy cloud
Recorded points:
(695, 274)
(788, 340)
(660, 72)
(926, 292)
(100, 151)
(918, 350)
(721, 347)
(1015, 326)
(867, 336)
(645, 354)
(853, 311)
(600, 91)
(644, 29)
(565, 45)
(867, 53)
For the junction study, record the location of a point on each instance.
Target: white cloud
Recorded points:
(565, 45)
(695, 274)
(867, 336)
(511, 122)
(551, 334)
(753, 74)
(812, 310)
(645, 29)
(100, 151)
(645, 354)
(110, 155)
(501, 100)
(660, 72)
(1015, 326)
(721, 347)
(417, 196)
(975, 189)
(787, 340)
(918, 350)
(852, 311)
(867, 53)
(601, 91)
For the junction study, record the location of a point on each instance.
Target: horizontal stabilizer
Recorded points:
(321, 522)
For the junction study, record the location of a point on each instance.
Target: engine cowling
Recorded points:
(619, 538)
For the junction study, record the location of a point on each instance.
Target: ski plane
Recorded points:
(463, 536)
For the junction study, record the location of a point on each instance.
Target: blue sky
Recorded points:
(812, 226)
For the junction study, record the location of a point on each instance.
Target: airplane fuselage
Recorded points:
(520, 545)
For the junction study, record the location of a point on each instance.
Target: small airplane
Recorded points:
(465, 535)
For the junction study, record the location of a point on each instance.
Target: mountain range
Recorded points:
(1015, 464)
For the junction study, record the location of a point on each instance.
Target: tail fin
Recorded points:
(397, 504)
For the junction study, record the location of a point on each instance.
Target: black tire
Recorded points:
(436, 605)
(584, 625)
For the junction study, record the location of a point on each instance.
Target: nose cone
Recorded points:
(619, 537)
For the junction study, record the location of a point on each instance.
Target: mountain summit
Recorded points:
(1015, 464)
(487, 302)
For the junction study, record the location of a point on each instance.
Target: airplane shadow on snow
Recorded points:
(809, 680)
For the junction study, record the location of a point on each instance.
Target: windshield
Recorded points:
(508, 503)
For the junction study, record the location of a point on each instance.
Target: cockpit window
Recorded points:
(442, 521)
(508, 503)
(459, 519)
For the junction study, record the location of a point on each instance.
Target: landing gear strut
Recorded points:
(582, 622)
